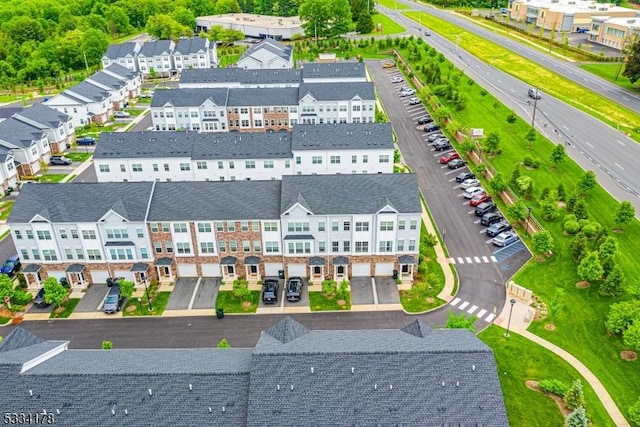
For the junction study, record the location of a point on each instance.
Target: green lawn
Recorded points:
(231, 304)
(608, 72)
(532, 73)
(5, 234)
(389, 26)
(4, 320)
(391, 4)
(520, 360)
(11, 98)
(134, 112)
(318, 302)
(5, 209)
(142, 308)
(78, 156)
(51, 177)
(68, 305)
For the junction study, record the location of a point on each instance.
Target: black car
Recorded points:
(497, 228)
(442, 144)
(294, 289)
(425, 120)
(86, 140)
(270, 291)
(464, 176)
(491, 218)
(485, 207)
(114, 281)
(456, 163)
(39, 301)
(431, 128)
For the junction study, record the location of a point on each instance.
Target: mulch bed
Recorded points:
(533, 385)
(628, 355)
(582, 284)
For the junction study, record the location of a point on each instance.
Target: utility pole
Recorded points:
(535, 105)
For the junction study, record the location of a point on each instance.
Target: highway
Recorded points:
(594, 145)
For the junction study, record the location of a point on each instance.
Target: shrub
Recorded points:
(240, 288)
(622, 315)
(107, 345)
(343, 289)
(329, 287)
(574, 398)
(571, 227)
(591, 229)
(554, 386)
(570, 217)
(634, 412)
(21, 297)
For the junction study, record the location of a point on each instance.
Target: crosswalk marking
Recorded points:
(460, 260)
(472, 309)
(494, 259)
(490, 318)
(481, 313)
(455, 301)
(468, 260)
(463, 305)
(476, 259)
(485, 259)
(471, 260)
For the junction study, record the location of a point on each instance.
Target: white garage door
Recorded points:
(187, 270)
(362, 269)
(99, 276)
(123, 273)
(57, 274)
(211, 270)
(297, 270)
(272, 268)
(384, 269)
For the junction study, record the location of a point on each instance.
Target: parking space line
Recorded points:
(455, 302)
(472, 309)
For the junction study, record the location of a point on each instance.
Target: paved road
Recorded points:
(594, 145)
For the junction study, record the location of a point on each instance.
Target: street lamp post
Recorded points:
(146, 290)
(529, 209)
(513, 302)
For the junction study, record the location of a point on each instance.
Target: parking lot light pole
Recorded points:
(513, 302)
(146, 290)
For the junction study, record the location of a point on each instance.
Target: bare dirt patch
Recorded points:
(246, 305)
(628, 355)
(59, 310)
(582, 284)
(341, 302)
(550, 327)
(533, 385)
(130, 308)
(540, 259)
(430, 300)
(617, 230)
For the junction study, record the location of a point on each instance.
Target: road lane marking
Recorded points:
(621, 143)
(589, 144)
(565, 127)
(463, 305)
(619, 166)
(476, 259)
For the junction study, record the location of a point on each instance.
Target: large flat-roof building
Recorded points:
(258, 26)
(613, 32)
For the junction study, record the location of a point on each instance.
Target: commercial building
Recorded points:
(257, 26)
(614, 32)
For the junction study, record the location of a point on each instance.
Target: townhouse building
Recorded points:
(28, 145)
(194, 53)
(191, 156)
(123, 54)
(314, 226)
(310, 72)
(156, 55)
(267, 54)
(8, 171)
(133, 79)
(117, 88)
(262, 109)
(56, 125)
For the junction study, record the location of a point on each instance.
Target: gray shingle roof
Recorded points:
(336, 70)
(88, 90)
(80, 202)
(215, 200)
(338, 91)
(367, 193)
(270, 45)
(193, 145)
(6, 112)
(19, 338)
(42, 114)
(107, 80)
(122, 71)
(241, 97)
(19, 133)
(240, 75)
(191, 45)
(156, 48)
(189, 97)
(115, 51)
(342, 136)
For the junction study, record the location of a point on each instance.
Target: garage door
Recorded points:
(272, 268)
(211, 270)
(123, 273)
(384, 269)
(187, 270)
(362, 269)
(57, 274)
(297, 270)
(99, 276)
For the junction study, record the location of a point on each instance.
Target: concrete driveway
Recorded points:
(37, 310)
(92, 298)
(387, 290)
(182, 293)
(361, 290)
(207, 293)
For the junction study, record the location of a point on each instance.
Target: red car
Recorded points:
(479, 198)
(448, 157)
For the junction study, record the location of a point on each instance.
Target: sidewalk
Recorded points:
(521, 318)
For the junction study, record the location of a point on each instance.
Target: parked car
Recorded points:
(485, 207)
(397, 79)
(388, 65)
(533, 93)
(490, 218)
(86, 140)
(441, 144)
(472, 191)
(505, 239)
(456, 163)
(448, 157)
(479, 198)
(146, 94)
(121, 115)
(39, 301)
(414, 101)
(409, 92)
(59, 160)
(431, 128)
(581, 30)
(424, 120)
(435, 136)
(270, 291)
(504, 11)
(294, 289)
(11, 266)
(114, 281)
(497, 228)
(113, 301)
(464, 175)
(468, 183)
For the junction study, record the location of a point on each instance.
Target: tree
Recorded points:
(578, 247)
(511, 118)
(497, 183)
(589, 268)
(550, 209)
(631, 336)
(6, 287)
(240, 288)
(514, 176)
(587, 181)
(492, 143)
(577, 418)
(94, 44)
(613, 284)
(339, 17)
(54, 292)
(561, 193)
(118, 21)
(126, 288)
(543, 242)
(518, 210)
(608, 248)
(315, 17)
(625, 213)
(632, 66)
(558, 155)
(364, 24)
(622, 315)
(165, 27)
(526, 186)
(223, 344)
(575, 396)
(634, 412)
(530, 137)
(227, 6)
(461, 321)
(580, 209)
(184, 17)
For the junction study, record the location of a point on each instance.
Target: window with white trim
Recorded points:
(43, 235)
(386, 246)
(362, 247)
(49, 255)
(180, 227)
(386, 225)
(204, 227)
(88, 234)
(94, 255)
(298, 226)
(271, 247)
(183, 248)
(362, 225)
(207, 248)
